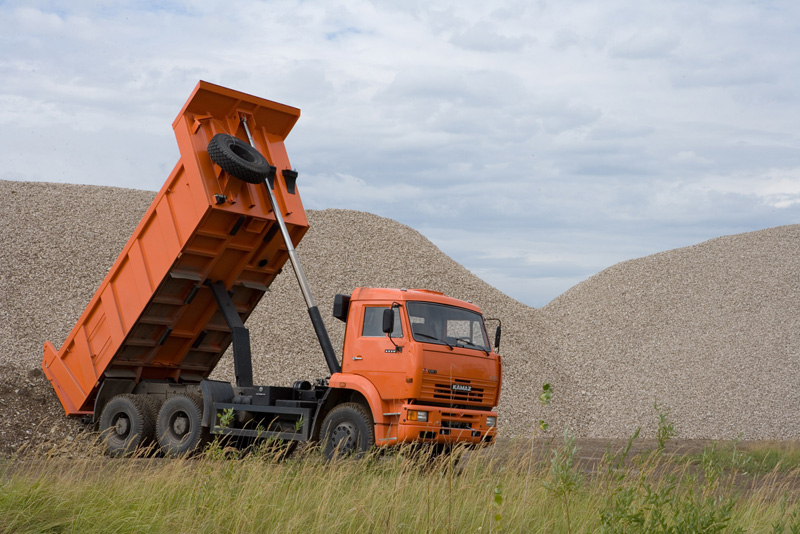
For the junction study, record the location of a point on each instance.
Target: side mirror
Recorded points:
(497, 338)
(388, 320)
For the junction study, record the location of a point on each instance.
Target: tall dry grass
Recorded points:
(513, 488)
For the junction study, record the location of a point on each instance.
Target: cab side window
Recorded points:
(373, 323)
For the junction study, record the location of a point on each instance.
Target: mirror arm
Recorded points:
(397, 347)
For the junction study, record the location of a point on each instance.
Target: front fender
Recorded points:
(366, 388)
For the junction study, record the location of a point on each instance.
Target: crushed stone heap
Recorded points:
(711, 332)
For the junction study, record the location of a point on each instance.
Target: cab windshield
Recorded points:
(447, 325)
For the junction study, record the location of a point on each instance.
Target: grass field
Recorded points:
(521, 487)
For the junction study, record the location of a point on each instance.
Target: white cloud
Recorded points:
(690, 158)
(646, 44)
(777, 188)
(322, 191)
(563, 117)
(485, 37)
(605, 129)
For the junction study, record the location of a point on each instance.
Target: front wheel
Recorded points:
(347, 429)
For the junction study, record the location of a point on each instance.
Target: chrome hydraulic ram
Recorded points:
(313, 311)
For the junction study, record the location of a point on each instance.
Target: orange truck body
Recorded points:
(198, 263)
(148, 320)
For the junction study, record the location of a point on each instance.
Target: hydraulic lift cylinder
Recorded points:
(305, 288)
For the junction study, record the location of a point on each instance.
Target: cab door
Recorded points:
(373, 355)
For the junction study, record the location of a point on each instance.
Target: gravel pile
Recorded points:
(57, 244)
(709, 331)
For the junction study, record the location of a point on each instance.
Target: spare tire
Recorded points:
(239, 159)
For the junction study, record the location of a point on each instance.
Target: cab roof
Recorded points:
(403, 295)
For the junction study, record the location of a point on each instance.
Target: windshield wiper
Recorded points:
(434, 338)
(471, 344)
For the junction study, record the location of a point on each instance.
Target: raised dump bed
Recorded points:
(154, 316)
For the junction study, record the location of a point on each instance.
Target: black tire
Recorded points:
(239, 159)
(153, 405)
(346, 430)
(180, 425)
(126, 424)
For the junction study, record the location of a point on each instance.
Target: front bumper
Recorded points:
(444, 425)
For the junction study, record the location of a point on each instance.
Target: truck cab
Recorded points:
(424, 363)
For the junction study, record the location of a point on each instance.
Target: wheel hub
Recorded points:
(122, 426)
(181, 425)
(344, 437)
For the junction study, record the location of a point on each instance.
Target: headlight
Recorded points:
(416, 415)
(491, 421)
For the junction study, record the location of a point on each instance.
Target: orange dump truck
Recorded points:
(416, 366)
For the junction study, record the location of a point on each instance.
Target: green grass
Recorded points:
(754, 458)
(78, 490)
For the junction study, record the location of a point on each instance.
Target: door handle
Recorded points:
(356, 358)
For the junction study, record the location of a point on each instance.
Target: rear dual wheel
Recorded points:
(180, 425)
(127, 423)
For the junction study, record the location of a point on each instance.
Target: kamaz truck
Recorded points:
(416, 365)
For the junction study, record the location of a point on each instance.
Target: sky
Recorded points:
(534, 142)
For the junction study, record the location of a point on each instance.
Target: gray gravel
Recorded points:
(710, 332)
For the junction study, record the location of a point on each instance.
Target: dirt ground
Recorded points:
(34, 422)
(33, 419)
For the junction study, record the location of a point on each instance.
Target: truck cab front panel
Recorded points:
(459, 378)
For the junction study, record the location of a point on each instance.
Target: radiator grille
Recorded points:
(440, 389)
